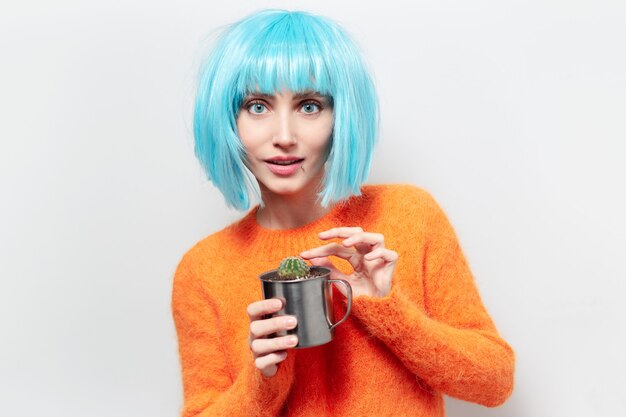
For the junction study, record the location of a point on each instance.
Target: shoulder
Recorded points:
(404, 210)
(209, 251)
(401, 197)
(401, 206)
(410, 206)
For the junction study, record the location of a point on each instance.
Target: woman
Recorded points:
(286, 110)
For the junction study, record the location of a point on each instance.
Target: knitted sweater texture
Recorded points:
(393, 356)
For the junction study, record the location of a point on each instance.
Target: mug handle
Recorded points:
(349, 292)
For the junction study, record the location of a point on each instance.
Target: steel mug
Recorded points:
(310, 300)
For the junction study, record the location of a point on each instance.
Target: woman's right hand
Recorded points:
(269, 352)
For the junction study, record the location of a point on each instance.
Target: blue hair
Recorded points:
(276, 50)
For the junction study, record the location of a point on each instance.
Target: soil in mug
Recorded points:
(314, 273)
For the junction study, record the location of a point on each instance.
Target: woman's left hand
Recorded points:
(373, 263)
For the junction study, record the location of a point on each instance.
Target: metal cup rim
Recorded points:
(263, 276)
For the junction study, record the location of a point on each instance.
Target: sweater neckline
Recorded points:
(293, 230)
(262, 242)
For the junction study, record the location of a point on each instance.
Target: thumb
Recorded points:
(326, 263)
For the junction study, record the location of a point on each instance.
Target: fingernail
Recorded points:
(277, 304)
(292, 341)
(290, 322)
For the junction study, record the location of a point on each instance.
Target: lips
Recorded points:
(284, 166)
(285, 162)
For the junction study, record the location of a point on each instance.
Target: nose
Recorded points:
(284, 133)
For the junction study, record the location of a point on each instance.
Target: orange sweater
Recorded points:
(394, 356)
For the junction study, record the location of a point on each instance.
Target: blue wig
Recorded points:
(276, 50)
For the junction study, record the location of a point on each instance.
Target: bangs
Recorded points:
(287, 54)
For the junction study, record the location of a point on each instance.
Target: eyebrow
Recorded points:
(297, 96)
(307, 94)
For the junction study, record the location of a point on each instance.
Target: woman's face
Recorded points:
(286, 137)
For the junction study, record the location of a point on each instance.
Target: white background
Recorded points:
(511, 113)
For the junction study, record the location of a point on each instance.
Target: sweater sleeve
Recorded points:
(451, 343)
(209, 387)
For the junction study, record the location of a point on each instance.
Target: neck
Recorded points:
(289, 211)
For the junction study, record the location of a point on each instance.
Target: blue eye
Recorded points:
(310, 108)
(257, 108)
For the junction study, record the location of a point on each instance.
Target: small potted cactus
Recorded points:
(307, 294)
(293, 267)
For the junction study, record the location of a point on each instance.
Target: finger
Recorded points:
(351, 255)
(267, 363)
(326, 263)
(258, 309)
(270, 371)
(386, 255)
(339, 232)
(377, 240)
(327, 250)
(265, 346)
(262, 328)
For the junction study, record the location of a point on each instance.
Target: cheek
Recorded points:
(323, 136)
(248, 135)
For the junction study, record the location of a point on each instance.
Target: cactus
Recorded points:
(293, 267)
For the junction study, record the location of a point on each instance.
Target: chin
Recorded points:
(286, 187)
